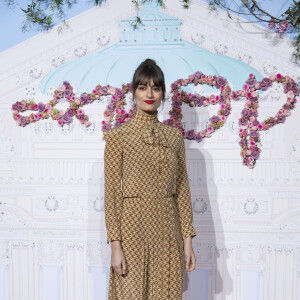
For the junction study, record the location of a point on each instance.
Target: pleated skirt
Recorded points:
(153, 249)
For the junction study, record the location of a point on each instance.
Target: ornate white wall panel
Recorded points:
(52, 230)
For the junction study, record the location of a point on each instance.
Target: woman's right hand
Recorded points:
(118, 260)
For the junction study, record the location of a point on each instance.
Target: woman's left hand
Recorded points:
(190, 262)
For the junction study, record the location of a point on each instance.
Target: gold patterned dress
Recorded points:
(147, 207)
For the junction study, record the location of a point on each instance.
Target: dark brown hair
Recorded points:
(148, 70)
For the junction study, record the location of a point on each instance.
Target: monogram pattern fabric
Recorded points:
(147, 207)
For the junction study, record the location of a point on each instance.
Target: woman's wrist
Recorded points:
(187, 240)
(115, 244)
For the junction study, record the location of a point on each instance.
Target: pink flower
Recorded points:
(111, 90)
(259, 126)
(60, 122)
(254, 94)
(272, 25)
(245, 133)
(252, 118)
(256, 85)
(202, 133)
(290, 94)
(62, 88)
(272, 77)
(245, 86)
(283, 26)
(278, 76)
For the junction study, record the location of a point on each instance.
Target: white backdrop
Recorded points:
(52, 230)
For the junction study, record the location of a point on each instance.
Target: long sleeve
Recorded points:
(112, 186)
(184, 202)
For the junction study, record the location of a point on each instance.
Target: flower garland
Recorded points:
(45, 111)
(192, 100)
(249, 125)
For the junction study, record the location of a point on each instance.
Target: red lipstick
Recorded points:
(149, 101)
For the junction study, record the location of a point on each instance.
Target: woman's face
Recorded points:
(148, 97)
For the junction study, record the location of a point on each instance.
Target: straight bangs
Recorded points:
(146, 78)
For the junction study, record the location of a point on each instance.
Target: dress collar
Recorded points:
(152, 133)
(144, 118)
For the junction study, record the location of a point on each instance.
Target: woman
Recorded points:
(149, 215)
